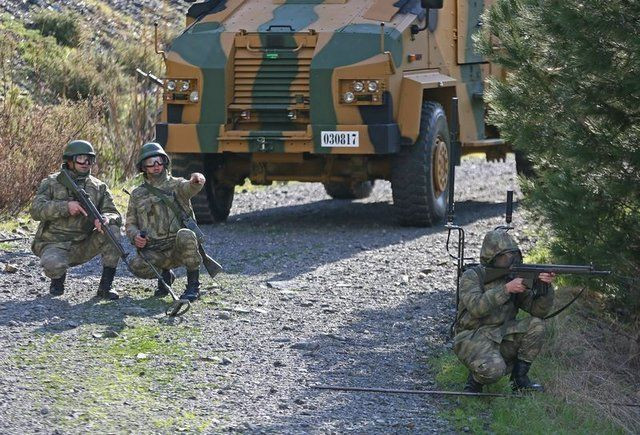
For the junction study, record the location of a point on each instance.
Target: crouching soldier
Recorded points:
(489, 339)
(66, 236)
(154, 222)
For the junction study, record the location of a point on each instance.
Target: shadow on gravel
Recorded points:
(58, 315)
(387, 348)
(293, 240)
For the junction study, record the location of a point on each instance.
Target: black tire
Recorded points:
(524, 166)
(420, 187)
(357, 190)
(214, 201)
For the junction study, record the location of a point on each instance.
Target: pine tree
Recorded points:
(571, 102)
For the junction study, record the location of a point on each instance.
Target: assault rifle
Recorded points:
(530, 272)
(181, 306)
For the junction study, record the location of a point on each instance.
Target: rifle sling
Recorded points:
(555, 313)
(163, 196)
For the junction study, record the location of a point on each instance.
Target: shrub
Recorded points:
(570, 102)
(64, 27)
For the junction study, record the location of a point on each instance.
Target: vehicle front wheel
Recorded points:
(420, 174)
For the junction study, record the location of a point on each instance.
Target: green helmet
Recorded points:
(496, 242)
(76, 148)
(149, 150)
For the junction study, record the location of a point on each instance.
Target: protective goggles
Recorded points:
(84, 159)
(154, 161)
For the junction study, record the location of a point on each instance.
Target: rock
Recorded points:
(305, 345)
(225, 361)
(72, 324)
(241, 310)
(279, 364)
(10, 268)
(281, 285)
(97, 335)
(142, 356)
(223, 316)
(13, 323)
(44, 411)
(306, 304)
(134, 311)
(110, 334)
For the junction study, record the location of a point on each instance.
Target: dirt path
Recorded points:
(316, 292)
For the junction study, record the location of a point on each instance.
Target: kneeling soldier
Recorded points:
(66, 236)
(154, 225)
(489, 339)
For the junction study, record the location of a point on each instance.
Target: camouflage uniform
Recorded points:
(489, 338)
(169, 244)
(63, 240)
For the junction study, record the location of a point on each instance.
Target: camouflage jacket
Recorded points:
(147, 212)
(50, 207)
(490, 309)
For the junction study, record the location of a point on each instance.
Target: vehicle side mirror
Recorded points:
(432, 4)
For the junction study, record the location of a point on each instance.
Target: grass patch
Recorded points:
(138, 373)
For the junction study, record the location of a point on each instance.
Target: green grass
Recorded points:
(533, 414)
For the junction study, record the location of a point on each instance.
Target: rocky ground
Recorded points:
(316, 292)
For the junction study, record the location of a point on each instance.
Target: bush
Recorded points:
(64, 27)
(570, 102)
(31, 141)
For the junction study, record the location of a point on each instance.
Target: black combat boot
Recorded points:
(168, 276)
(104, 288)
(193, 286)
(57, 285)
(519, 379)
(472, 386)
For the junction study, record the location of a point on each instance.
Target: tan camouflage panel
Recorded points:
(494, 243)
(147, 212)
(50, 207)
(56, 258)
(183, 251)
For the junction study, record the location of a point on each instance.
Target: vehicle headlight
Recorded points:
(184, 86)
(171, 85)
(194, 97)
(358, 86)
(372, 86)
(348, 97)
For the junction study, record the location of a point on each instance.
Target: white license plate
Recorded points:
(340, 139)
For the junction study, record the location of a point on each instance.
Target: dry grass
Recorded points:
(599, 363)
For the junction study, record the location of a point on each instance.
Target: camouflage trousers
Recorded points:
(489, 360)
(182, 252)
(57, 257)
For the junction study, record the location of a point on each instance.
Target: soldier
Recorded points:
(66, 236)
(153, 224)
(489, 340)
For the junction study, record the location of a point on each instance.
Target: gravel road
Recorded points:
(316, 292)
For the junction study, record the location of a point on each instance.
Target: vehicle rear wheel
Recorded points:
(420, 174)
(213, 203)
(357, 190)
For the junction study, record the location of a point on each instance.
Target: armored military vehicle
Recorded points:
(342, 92)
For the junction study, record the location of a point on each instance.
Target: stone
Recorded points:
(10, 268)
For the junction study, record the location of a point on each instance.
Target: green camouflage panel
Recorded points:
(50, 207)
(147, 212)
(56, 258)
(488, 360)
(496, 242)
(182, 252)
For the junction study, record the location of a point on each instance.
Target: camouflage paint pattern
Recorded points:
(270, 76)
(169, 245)
(488, 336)
(63, 240)
(496, 242)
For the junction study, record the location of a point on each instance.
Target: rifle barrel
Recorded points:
(560, 269)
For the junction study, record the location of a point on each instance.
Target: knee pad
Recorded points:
(489, 371)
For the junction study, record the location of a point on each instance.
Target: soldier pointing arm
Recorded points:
(154, 226)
